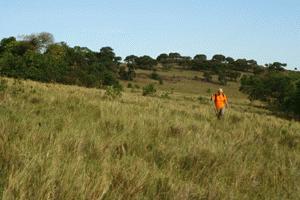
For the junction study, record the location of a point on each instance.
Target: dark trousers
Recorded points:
(220, 112)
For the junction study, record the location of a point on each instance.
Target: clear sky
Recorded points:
(265, 30)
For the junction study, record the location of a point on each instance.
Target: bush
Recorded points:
(208, 91)
(207, 76)
(3, 85)
(113, 92)
(161, 81)
(202, 100)
(222, 78)
(149, 90)
(196, 78)
(155, 76)
(129, 85)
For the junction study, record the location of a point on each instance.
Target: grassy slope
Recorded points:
(184, 82)
(66, 142)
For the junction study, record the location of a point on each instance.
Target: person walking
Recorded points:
(221, 102)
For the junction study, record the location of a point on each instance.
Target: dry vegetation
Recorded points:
(66, 142)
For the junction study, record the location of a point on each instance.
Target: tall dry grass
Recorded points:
(66, 142)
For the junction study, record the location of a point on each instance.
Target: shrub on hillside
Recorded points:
(202, 100)
(207, 76)
(129, 85)
(222, 78)
(155, 76)
(3, 85)
(208, 91)
(113, 92)
(233, 75)
(161, 81)
(149, 90)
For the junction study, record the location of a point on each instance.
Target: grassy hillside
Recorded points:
(186, 82)
(66, 142)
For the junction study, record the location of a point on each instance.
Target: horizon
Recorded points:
(151, 28)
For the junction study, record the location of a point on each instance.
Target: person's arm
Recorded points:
(212, 97)
(226, 102)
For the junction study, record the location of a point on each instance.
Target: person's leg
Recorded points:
(221, 112)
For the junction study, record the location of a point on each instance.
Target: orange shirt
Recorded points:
(220, 100)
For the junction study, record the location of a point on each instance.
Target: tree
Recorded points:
(81, 56)
(252, 62)
(254, 87)
(218, 58)
(184, 61)
(222, 78)
(131, 59)
(200, 57)
(241, 65)
(15, 47)
(296, 99)
(174, 56)
(39, 41)
(20, 47)
(146, 62)
(155, 76)
(207, 76)
(107, 54)
(232, 75)
(131, 62)
(280, 90)
(107, 57)
(131, 72)
(276, 66)
(6, 43)
(258, 69)
(11, 65)
(128, 74)
(162, 58)
(229, 60)
(57, 51)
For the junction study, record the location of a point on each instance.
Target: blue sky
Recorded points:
(264, 30)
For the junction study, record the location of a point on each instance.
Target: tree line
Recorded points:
(226, 68)
(39, 58)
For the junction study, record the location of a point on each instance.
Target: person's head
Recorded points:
(220, 91)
